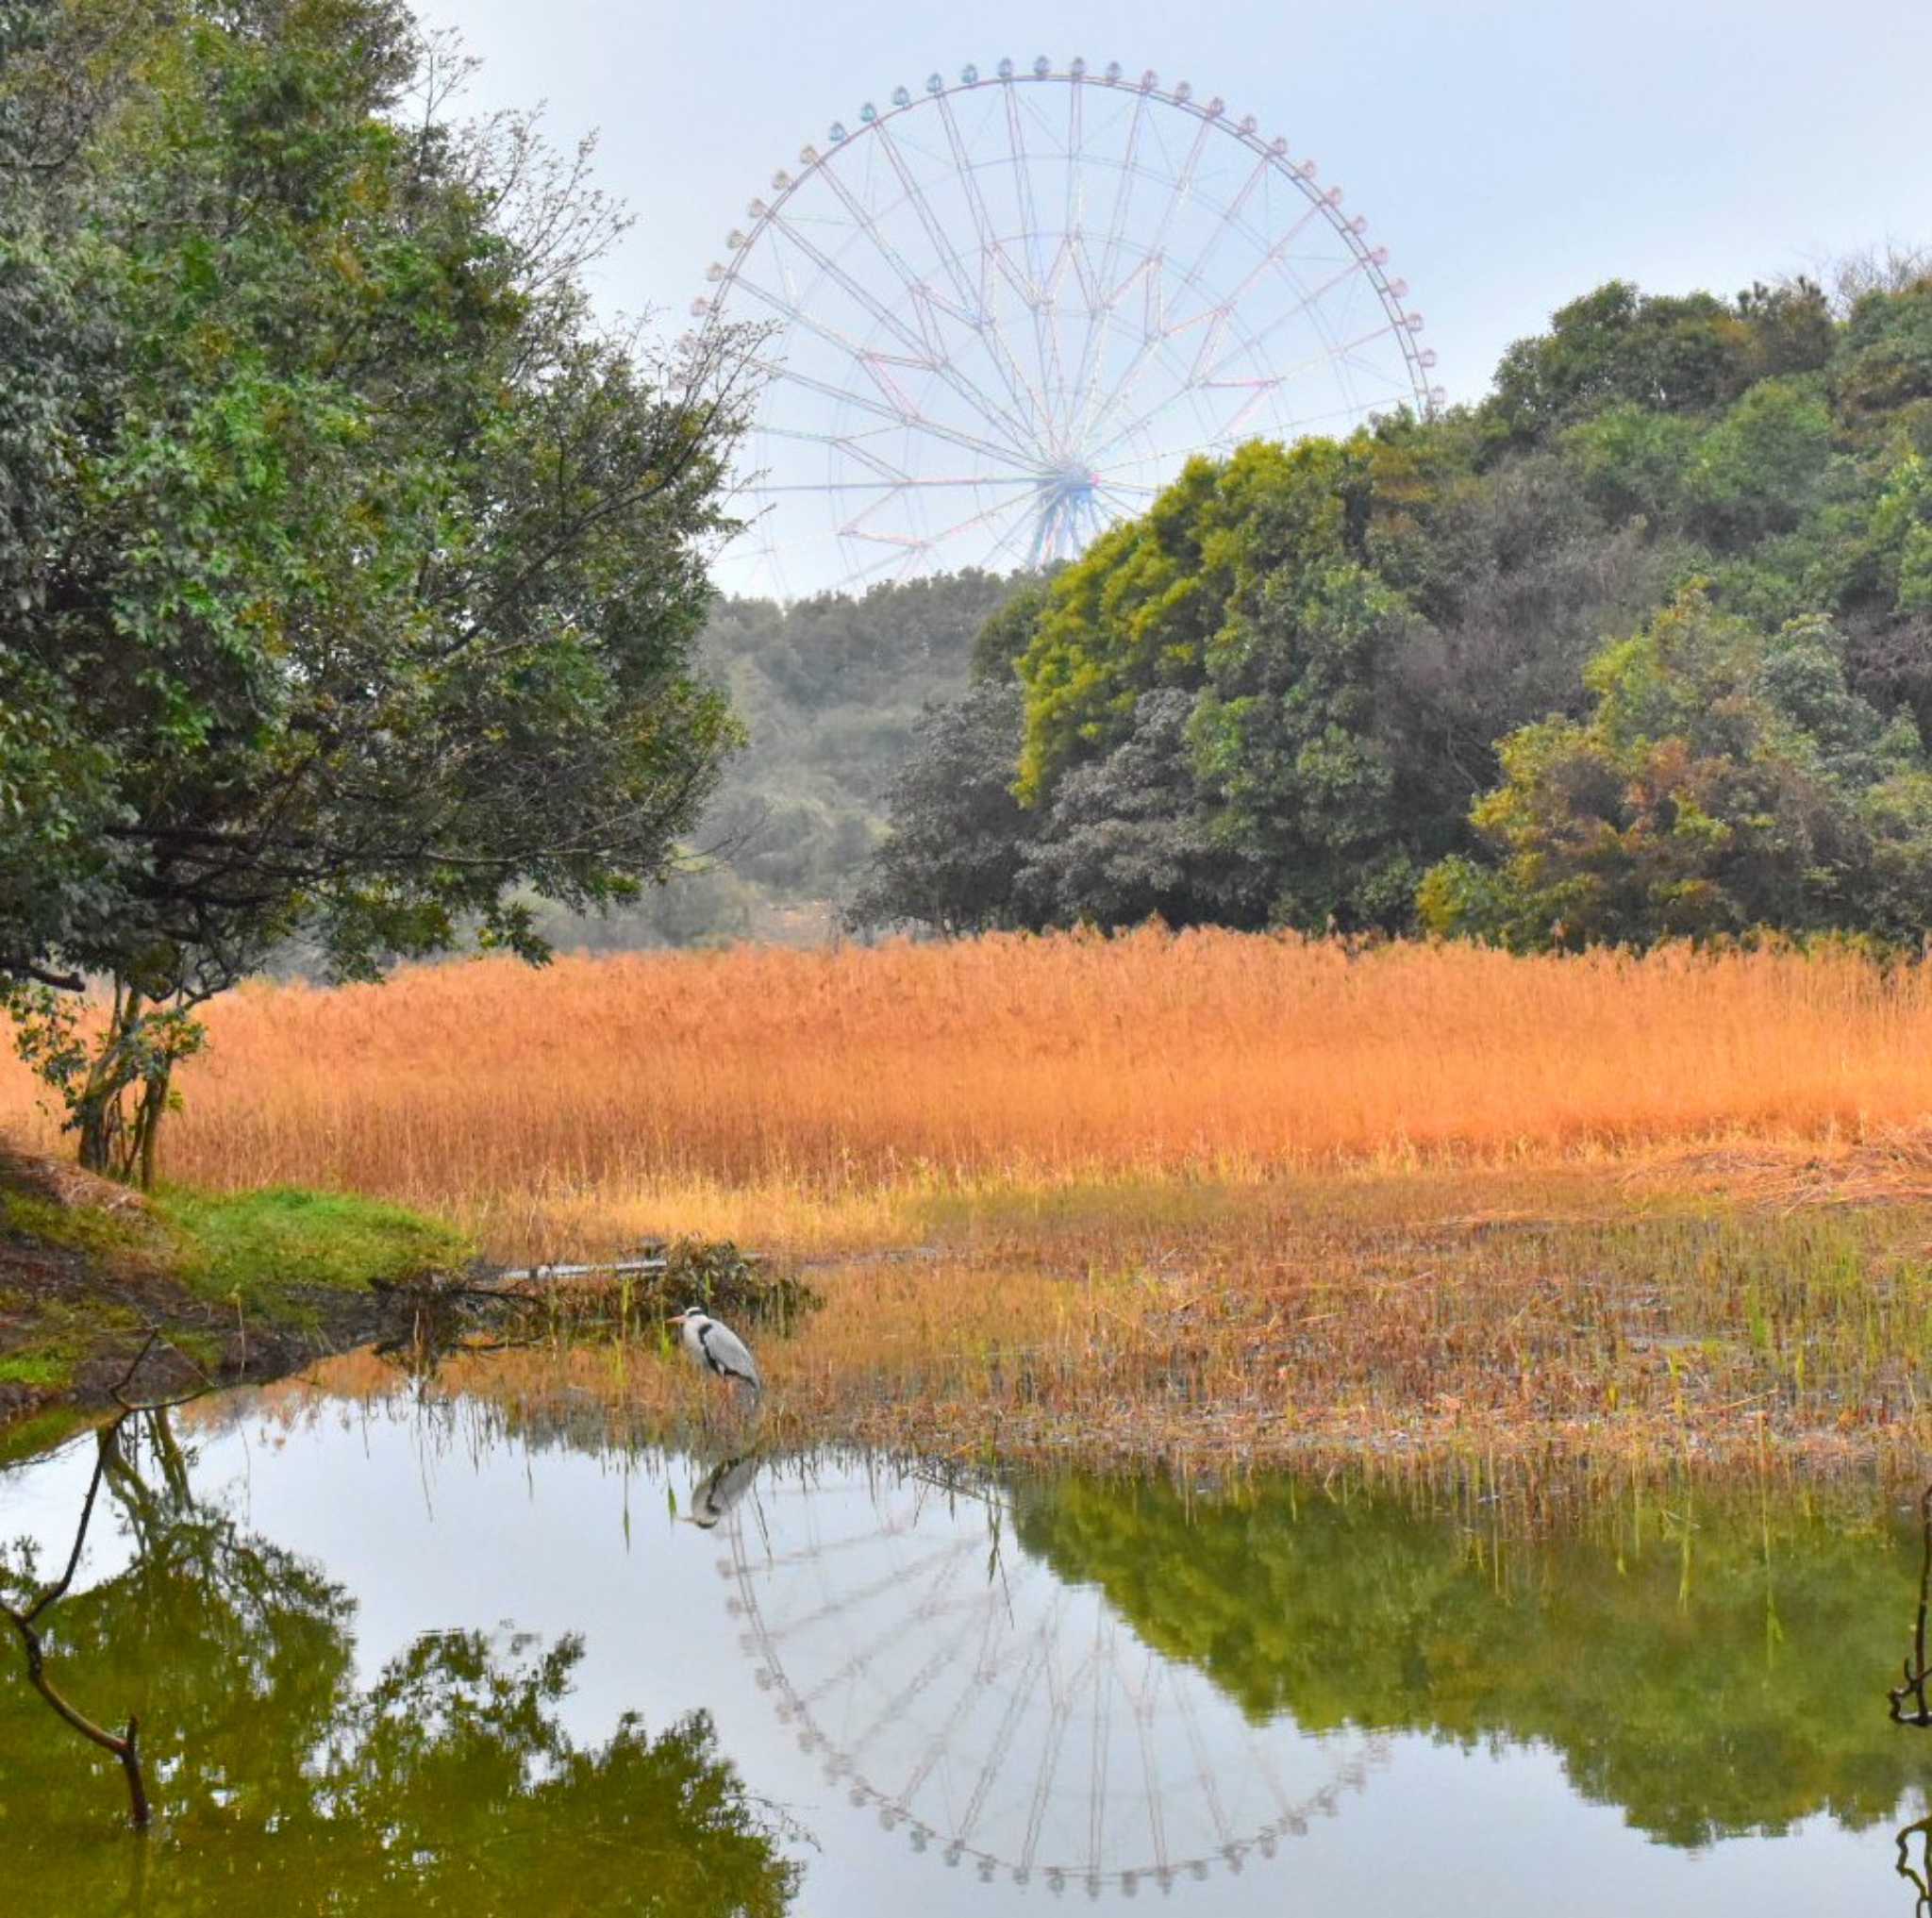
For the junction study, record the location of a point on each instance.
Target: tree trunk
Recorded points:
(111, 1142)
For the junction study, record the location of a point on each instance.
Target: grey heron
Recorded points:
(717, 1348)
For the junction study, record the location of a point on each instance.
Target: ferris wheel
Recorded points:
(998, 313)
(1001, 1720)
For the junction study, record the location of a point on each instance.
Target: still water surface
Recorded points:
(402, 1657)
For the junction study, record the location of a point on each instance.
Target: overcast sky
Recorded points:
(1510, 155)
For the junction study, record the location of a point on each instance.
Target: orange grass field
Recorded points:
(755, 1088)
(1170, 1193)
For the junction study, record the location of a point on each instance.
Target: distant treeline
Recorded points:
(1639, 646)
(830, 691)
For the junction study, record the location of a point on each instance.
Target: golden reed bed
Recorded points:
(479, 1087)
(1193, 1194)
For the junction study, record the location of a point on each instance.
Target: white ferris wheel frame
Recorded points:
(1059, 499)
(1106, 1679)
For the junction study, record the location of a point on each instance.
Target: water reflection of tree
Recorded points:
(1706, 1670)
(450, 1783)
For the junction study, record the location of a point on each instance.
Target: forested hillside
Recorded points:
(1639, 646)
(828, 690)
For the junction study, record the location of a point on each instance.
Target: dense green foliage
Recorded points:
(1639, 647)
(351, 572)
(1716, 1665)
(1723, 781)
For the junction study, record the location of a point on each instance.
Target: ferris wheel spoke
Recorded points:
(928, 305)
(941, 1741)
(1098, 413)
(917, 423)
(1274, 256)
(972, 290)
(1259, 390)
(1206, 381)
(1204, 1769)
(1005, 545)
(1017, 1702)
(1102, 1748)
(863, 1661)
(876, 569)
(1039, 287)
(939, 364)
(950, 1550)
(863, 218)
(978, 519)
(900, 1701)
(1060, 1717)
(1152, 351)
(975, 201)
(1230, 221)
(1075, 213)
(1101, 303)
(1124, 189)
(906, 485)
(1329, 357)
(1150, 1773)
(964, 284)
(1182, 189)
(860, 296)
(1023, 186)
(1307, 303)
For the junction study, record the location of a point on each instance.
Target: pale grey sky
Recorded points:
(1510, 153)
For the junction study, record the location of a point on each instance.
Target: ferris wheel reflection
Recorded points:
(1005, 1720)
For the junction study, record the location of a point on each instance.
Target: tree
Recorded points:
(1251, 593)
(1277, 695)
(1724, 782)
(957, 841)
(353, 572)
(1128, 838)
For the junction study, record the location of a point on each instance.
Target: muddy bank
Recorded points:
(102, 1291)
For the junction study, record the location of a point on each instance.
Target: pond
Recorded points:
(412, 1654)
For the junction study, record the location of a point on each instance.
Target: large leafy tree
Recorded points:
(959, 840)
(1248, 589)
(349, 570)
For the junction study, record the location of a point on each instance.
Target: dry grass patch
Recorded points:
(1555, 1322)
(1166, 1194)
(810, 1097)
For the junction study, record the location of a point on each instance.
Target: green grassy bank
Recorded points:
(214, 1286)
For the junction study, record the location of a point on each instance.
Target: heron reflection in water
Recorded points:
(721, 1489)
